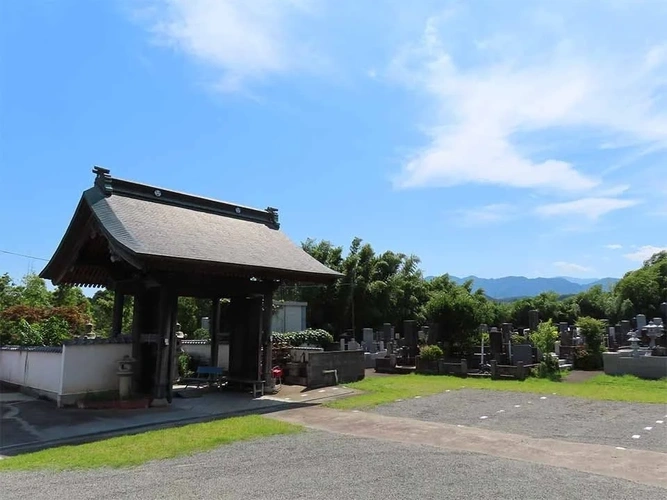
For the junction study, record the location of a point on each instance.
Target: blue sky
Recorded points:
(488, 138)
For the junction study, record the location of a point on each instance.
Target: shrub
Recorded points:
(431, 353)
(200, 334)
(548, 368)
(320, 338)
(184, 365)
(584, 359)
(545, 337)
(593, 332)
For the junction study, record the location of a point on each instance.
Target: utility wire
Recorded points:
(23, 255)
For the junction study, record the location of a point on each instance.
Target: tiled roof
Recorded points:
(144, 223)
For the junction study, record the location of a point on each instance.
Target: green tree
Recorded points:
(34, 292)
(457, 311)
(10, 294)
(102, 312)
(545, 337)
(593, 332)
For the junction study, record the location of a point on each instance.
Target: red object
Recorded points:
(277, 372)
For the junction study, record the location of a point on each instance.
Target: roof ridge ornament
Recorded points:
(103, 179)
(273, 212)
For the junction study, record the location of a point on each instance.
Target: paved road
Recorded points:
(316, 465)
(569, 419)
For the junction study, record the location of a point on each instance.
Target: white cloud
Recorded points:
(488, 101)
(243, 40)
(590, 208)
(485, 215)
(571, 268)
(613, 246)
(644, 253)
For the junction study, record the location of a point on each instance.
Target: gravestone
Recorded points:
(611, 335)
(506, 329)
(523, 353)
(625, 328)
(432, 333)
(663, 310)
(369, 340)
(387, 332)
(343, 344)
(410, 335)
(353, 345)
(641, 322)
(565, 336)
(496, 342)
(533, 319)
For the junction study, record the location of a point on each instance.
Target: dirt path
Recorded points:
(645, 467)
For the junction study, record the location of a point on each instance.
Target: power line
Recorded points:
(23, 255)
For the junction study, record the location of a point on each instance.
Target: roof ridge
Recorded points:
(109, 186)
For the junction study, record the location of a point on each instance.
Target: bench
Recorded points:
(206, 375)
(257, 385)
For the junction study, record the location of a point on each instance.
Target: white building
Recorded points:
(289, 317)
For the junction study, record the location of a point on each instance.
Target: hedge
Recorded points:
(320, 338)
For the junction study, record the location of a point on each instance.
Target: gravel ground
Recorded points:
(316, 465)
(573, 419)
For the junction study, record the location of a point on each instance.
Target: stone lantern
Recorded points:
(654, 331)
(125, 372)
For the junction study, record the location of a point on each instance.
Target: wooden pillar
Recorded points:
(214, 329)
(267, 362)
(118, 303)
(166, 340)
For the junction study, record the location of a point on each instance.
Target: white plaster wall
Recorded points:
(35, 369)
(91, 368)
(203, 351)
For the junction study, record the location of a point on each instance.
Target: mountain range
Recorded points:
(515, 287)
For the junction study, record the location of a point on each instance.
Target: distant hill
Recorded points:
(515, 287)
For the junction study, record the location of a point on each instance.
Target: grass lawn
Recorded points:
(380, 390)
(126, 451)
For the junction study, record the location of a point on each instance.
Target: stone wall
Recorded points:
(348, 364)
(649, 367)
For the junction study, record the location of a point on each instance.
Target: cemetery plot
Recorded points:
(625, 425)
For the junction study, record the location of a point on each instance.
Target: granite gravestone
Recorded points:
(533, 319)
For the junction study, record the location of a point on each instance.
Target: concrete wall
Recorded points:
(650, 367)
(90, 368)
(350, 366)
(203, 351)
(37, 369)
(290, 317)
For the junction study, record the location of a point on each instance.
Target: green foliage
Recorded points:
(184, 364)
(593, 332)
(545, 337)
(52, 332)
(34, 292)
(320, 338)
(585, 359)
(374, 289)
(200, 334)
(457, 311)
(102, 311)
(548, 368)
(430, 353)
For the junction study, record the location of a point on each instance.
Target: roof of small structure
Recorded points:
(155, 228)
